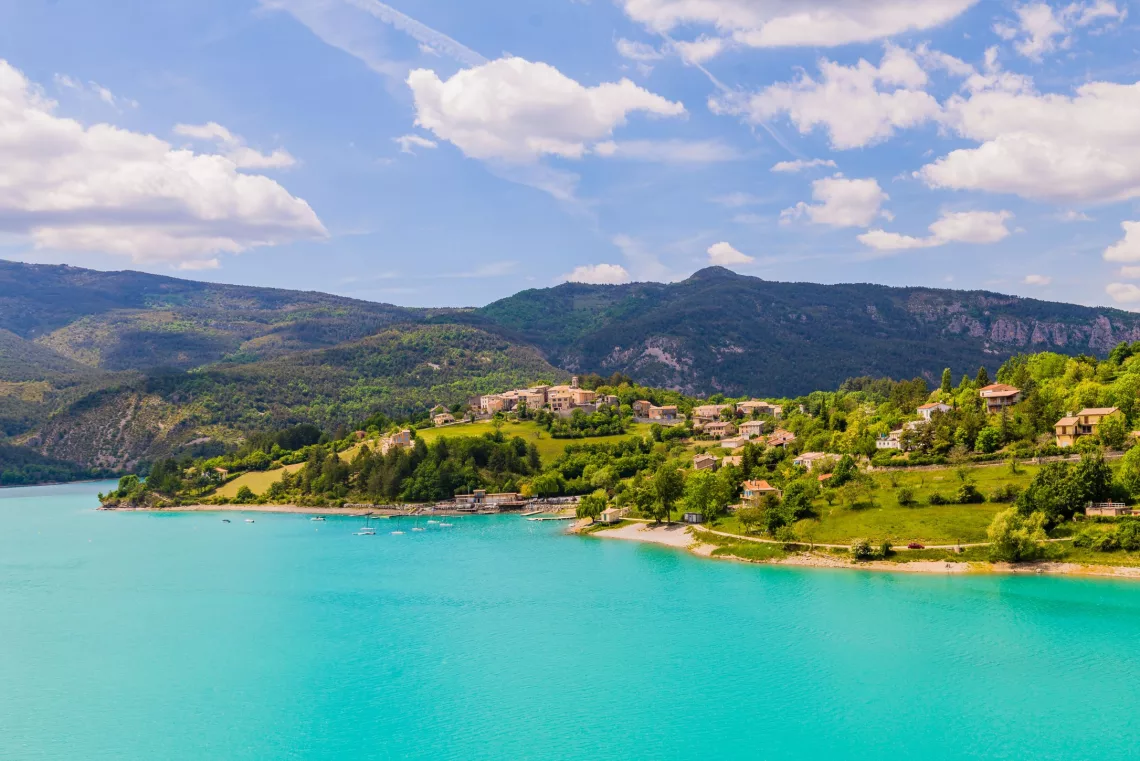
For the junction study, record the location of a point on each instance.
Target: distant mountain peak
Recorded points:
(715, 273)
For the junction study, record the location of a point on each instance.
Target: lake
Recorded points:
(179, 636)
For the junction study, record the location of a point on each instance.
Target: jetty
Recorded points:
(532, 512)
(554, 518)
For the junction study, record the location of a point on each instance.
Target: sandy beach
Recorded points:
(254, 509)
(680, 536)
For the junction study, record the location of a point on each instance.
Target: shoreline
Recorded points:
(679, 536)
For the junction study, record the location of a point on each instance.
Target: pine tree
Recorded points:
(983, 378)
(947, 381)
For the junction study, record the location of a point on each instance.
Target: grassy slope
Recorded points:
(548, 447)
(942, 524)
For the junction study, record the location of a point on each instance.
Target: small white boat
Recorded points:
(366, 531)
(397, 532)
(431, 522)
(445, 525)
(249, 520)
(316, 518)
(418, 528)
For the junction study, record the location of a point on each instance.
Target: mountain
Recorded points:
(112, 369)
(720, 331)
(401, 369)
(136, 321)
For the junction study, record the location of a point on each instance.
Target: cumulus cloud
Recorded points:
(668, 151)
(1127, 249)
(841, 202)
(598, 274)
(856, 105)
(1038, 280)
(699, 50)
(518, 111)
(101, 188)
(1078, 148)
(1041, 29)
(724, 255)
(783, 23)
(951, 227)
(638, 51)
(800, 165)
(409, 142)
(1123, 293)
(234, 148)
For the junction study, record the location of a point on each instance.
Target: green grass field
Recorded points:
(257, 481)
(548, 448)
(924, 523)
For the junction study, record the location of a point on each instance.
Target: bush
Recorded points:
(885, 549)
(1128, 534)
(861, 549)
(905, 496)
(938, 499)
(245, 496)
(968, 494)
(1005, 494)
(1014, 538)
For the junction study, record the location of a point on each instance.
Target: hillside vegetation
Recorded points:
(719, 331)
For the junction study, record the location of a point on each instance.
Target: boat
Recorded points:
(397, 532)
(365, 531)
(249, 520)
(431, 522)
(445, 525)
(225, 520)
(418, 528)
(317, 518)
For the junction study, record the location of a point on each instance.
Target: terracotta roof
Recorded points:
(1066, 421)
(759, 486)
(825, 476)
(999, 389)
(1098, 410)
(932, 405)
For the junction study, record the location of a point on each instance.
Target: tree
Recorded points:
(1092, 480)
(1112, 431)
(750, 517)
(592, 505)
(1052, 492)
(245, 496)
(1015, 537)
(988, 440)
(983, 377)
(947, 381)
(669, 485)
(699, 497)
(1129, 473)
(905, 496)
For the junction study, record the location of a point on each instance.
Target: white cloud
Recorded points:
(408, 142)
(234, 147)
(801, 164)
(1123, 293)
(518, 111)
(668, 151)
(638, 51)
(1041, 29)
(699, 50)
(1038, 280)
(1130, 271)
(783, 23)
(644, 264)
(951, 227)
(598, 274)
(1072, 215)
(1127, 249)
(857, 105)
(1079, 148)
(101, 188)
(724, 255)
(65, 82)
(842, 202)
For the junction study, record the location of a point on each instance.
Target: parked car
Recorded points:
(915, 546)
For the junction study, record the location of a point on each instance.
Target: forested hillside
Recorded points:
(719, 331)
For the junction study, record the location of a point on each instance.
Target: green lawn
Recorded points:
(548, 447)
(924, 523)
(257, 481)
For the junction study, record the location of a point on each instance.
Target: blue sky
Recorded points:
(439, 152)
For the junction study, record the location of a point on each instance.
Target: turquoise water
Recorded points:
(136, 636)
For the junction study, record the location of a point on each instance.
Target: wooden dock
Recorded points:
(532, 512)
(555, 518)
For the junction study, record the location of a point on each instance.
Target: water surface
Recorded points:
(178, 636)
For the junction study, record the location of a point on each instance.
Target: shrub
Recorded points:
(905, 496)
(968, 494)
(1128, 535)
(245, 496)
(1007, 493)
(861, 549)
(885, 548)
(938, 499)
(1014, 538)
